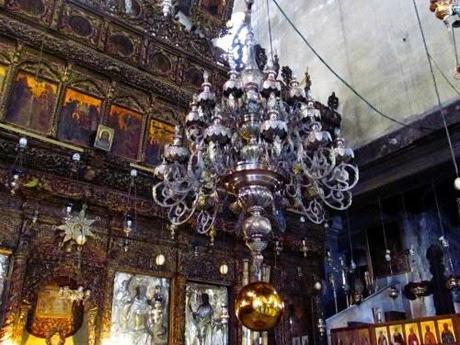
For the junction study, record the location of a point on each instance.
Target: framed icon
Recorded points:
(104, 138)
(381, 335)
(429, 336)
(412, 334)
(446, 331)
(140, 309)
(206, 315)
(364, 336)
(396, 335)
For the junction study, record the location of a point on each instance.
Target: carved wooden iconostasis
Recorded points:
(80, 74)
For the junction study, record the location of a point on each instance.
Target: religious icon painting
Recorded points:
(127, 124)
(446, 331)
(412, 334)
(206, 315)
(140, 310)
(381, 336)
(396, 335)
(79, 117)
(336, 337)
(429, 336)
(104, 138)
(32, 102)
(159, 134)
(363, 336)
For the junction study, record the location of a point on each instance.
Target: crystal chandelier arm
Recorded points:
(195, 164)
(315, 211)
(337, 199)
(180, 213)
(205, 221)
(319, 163)
(344, 177)
(175, 187)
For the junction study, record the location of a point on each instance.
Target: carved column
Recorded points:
(177, 318)
(105, 316)
(14, 58)
(91, 314)
(64, 81)
(13, 303)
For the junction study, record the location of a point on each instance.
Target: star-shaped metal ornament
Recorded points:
(77, 228)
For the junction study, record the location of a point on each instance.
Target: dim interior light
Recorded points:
(160, 260)
(223, 269)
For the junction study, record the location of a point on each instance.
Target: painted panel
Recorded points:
(412, 334)
(123, 44)
(51, 304)
(446, 330)
(381, 334)
(140, 310)
(79, 117)
(80, 25)
(38, 10)
(3, 70)
(429, 333)
(396, 335)
(158, 135)
(4, 264)
(128, 131)
(32, 102)
(206, 316)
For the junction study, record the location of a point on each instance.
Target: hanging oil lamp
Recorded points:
(17, 169)
(393, 292)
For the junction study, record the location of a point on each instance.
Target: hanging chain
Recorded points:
(270, 30)
(436, 89)
(349, 238)
(443, 239)
(385, 242)
(454, 39)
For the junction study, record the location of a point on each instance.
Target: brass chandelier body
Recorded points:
(259, 150)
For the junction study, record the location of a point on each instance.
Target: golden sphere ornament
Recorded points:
(259, 307)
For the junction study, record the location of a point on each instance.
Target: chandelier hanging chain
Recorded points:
(342, 80)
(444, 241)
(352, 262)
(436, 89)
(454, 40)
(443, 75)
(388, 253)
(270, 29)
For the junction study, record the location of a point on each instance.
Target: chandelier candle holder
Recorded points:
(259, 149)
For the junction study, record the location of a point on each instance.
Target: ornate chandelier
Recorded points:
(260, 149)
